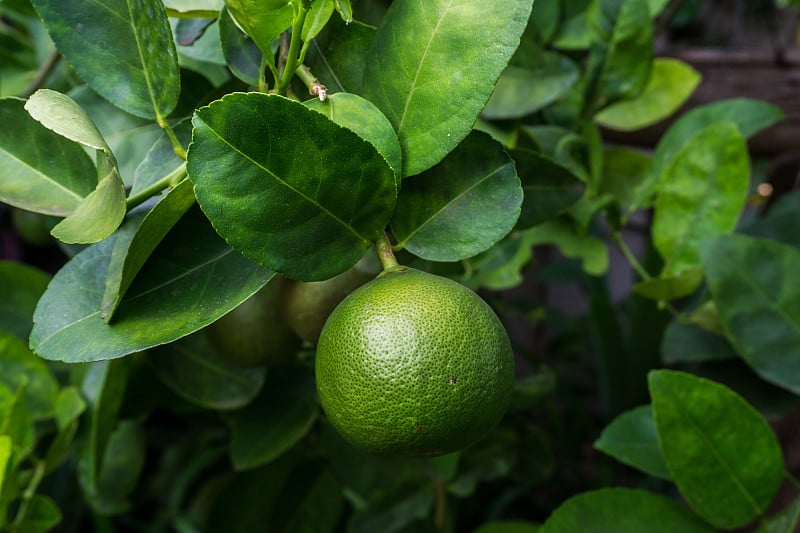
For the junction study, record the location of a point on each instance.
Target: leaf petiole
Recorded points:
(385, 254)
(176, 144)
(170, 180)
(294, 47)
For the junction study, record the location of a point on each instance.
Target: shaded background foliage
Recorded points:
(175, 438)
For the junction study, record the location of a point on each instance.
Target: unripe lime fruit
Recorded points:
(414, 364)
(255, 333)
(307, 305)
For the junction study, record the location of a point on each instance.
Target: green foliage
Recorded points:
(186, 155)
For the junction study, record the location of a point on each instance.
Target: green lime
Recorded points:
(414, 364)
(255, 333)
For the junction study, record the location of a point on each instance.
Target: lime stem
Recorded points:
(176, 144)
(294, 48)
(27, 495)
(440, 512)
(170, 180)
(385, 254)
(315, 88)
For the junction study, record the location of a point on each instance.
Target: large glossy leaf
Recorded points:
(122, 48)
(621, 55)
(749, 116)
(40, 170)
(339, 54)
(549, 188)
(753, 285)
(632, 439)
(192, 279)
(140, 237)
(718, 449)
(530, 83)
(262, 20)
(196, 371)
(21, 286)
(287, 186)
(123, 463)
(433, 66)
(701, 195)
(316, 19)
(462, 206)
(366, 120)
(671, 82)
(621, 510)
(276, 420)
(18, 366)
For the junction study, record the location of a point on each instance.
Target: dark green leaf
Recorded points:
(687, 343)
(21, 286)
(671, 82)
(104, 388)
(192, 279)
(785, 521)
(263, 21)
(197, 372)
(527, 85)
(40, 170)
(546, 17)
(122, 49)
(276, 420)
(621, 510)
(288, 187)
(339, 54)
(509, 526)
(780, 222)
(41, 515)
(18, 366)
(320, 508)
(549, 188)
(719, 450)
(362, 117)
(69, 406)
(242, 54)
(573, 33)
(621, 55)
(122, 465)
(433, 66)
(632, 439)
(138, 239)
(395, 512)
(701, 195)
(462, 206)
(753, 285)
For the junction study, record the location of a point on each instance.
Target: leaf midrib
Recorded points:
(44, 176)
(428, 45)
(283, 182)
(451, 202)
(141, 294)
